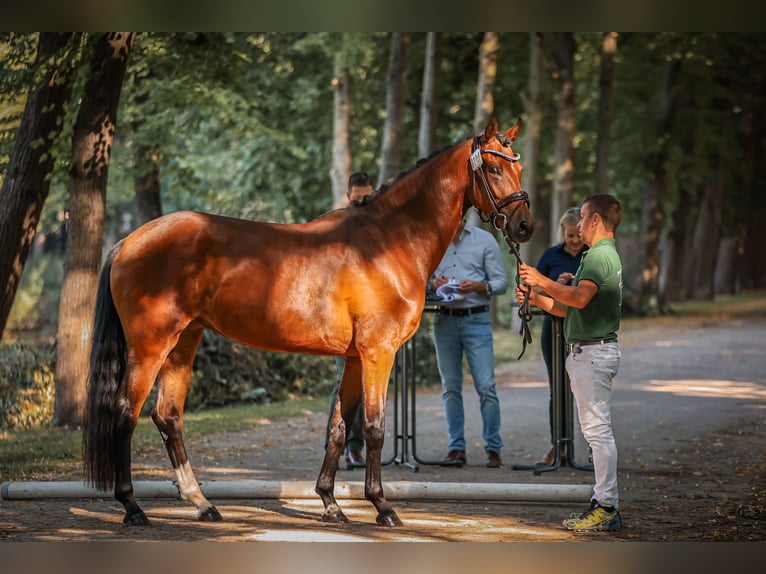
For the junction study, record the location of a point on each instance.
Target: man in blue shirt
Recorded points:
(469, 275)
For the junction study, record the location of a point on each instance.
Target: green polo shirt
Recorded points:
(600, 319)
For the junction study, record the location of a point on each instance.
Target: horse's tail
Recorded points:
(108, 360)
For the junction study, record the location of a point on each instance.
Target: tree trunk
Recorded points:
(609, 48)
(532, 250)
(656, 193)
(91, 147)
(727, 268)
(147, 185)
(753, 220)
(675, 271)
(429, 102)
(26, 183)
(341, 156)
(563, 168)
(393, 130)
(485, 93)
(707, 236)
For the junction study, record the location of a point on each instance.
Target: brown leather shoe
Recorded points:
(455, 456)
(354, 459)
(547, 460)
(494, 460)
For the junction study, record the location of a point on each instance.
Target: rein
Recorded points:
(476, 161)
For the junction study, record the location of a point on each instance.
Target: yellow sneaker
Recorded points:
(595, 518)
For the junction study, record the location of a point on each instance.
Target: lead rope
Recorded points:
(525, 312)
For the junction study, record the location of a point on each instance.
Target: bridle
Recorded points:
(476, 161)
(496, 214)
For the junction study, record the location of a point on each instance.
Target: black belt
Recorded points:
(463, 312)
(575, 347)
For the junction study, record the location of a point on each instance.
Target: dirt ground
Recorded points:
(689, 412)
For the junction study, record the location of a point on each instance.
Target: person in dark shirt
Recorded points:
(559, 263)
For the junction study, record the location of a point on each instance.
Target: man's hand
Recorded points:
(438, 281)
(521, 293)
(530, 276)
(469, 286)
(565, 278)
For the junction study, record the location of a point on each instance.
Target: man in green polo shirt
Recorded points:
(591, 307)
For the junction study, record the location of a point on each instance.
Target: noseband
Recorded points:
(525, 313)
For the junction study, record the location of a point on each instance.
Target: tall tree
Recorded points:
(429, 101)
(91, 150)
(146, 182)
(656, 191)
(27, 180)
(532, 250)
(563, 162)
(393, 130)
(707, 233)
(341, 154)
(608, 51)
(485, 91)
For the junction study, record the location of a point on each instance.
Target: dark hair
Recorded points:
(608, 207)
(359, 179)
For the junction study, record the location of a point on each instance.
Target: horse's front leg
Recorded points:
(349, 396)
(375, 388)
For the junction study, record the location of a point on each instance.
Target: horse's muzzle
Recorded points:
(521, 231)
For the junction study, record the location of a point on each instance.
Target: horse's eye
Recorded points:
(493, 169)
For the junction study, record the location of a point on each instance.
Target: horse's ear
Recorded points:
(491, 129)
(513, 133)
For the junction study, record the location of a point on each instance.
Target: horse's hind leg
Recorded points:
(140, 380)
(174, 379)
(349, 396)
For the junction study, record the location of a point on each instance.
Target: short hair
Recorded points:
(608, 207)
(359, 179)
(571, 217)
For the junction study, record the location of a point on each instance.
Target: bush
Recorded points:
(26, 386)
(226, 372)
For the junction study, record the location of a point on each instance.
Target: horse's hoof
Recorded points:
(336, 517)
(136, 519)
(210, 515)
(389, 519)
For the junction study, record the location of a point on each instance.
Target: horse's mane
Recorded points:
(385, 186)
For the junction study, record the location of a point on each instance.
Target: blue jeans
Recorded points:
(591, 373)
(471, 335)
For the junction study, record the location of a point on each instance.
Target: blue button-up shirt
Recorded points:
(477, 257)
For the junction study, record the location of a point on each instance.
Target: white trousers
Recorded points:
(591, 372)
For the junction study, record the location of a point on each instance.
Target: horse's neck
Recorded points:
(430, 201)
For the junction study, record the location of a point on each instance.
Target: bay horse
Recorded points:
(350, 283)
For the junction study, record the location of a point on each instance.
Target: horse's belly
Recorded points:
(287, 332)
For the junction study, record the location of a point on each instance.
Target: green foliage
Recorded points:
(226, 372)
(35, 307)
(26, 386)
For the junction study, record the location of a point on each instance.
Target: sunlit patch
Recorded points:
(673, 344)
(189, 512)
(231, 472)
(708, 388)
(106, 516)
(527, 385)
